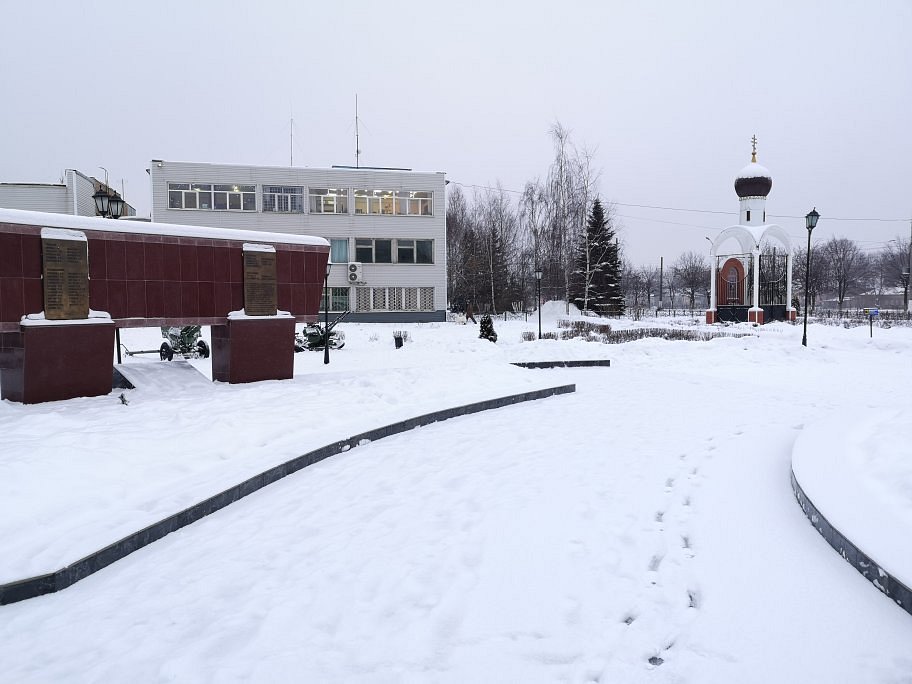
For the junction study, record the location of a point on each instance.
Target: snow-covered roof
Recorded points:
(749, 237)
(754, 170)
(38, 218)
(62, 234)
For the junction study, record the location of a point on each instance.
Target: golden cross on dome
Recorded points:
(754, 149)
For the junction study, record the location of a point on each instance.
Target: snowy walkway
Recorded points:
(137, 464)
(642, 529)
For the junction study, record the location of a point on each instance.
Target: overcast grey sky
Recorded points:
(667, 94)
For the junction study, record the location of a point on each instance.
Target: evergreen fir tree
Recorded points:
(615, 299)
(486, 329)
(595, 282)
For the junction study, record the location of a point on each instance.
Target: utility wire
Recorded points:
(698, 211)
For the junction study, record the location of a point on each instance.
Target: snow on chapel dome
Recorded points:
(753, 180)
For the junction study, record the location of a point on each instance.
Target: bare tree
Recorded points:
(458, 225)
(493, 246)
(532, 218)
(895, 258)
(847, 267)
(692, 272)
(819, 274)
(571, 182)
(670, 284)
(497, 225)
(631, 284)
(649, 281)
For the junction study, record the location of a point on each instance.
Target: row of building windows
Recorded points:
(383, 251)
(218, 197)
(379, 299)
(289, 199)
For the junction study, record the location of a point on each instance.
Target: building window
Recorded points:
(383, 251)
(424, 251)
(415, 203)
(364, 251)
(338, 299)
(390, 299)
(370, 251)
(405, 251)
(415, 251)
(283, 199)
(375, 202)
(390, 202)
(221, 197)
(362, 299)
(338, 251)
(328, 200)
(427, 298)
(411, 299)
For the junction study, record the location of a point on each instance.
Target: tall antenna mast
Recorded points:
(291, 142)
(357, 136)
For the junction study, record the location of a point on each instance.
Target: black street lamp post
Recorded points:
(109, 205)
(326, 313)
(538, 276)
(905, 284)
(811, 221)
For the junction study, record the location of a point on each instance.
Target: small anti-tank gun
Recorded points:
(313, 337)
(184, 342)
(179, 341)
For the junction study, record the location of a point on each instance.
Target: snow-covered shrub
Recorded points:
(528, 336)
(587, 330)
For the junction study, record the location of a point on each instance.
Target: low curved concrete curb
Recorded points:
(868, 567)
(61, 579)
(562, 364)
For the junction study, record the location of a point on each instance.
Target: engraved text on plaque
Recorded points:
(66, 278)
(260, 293)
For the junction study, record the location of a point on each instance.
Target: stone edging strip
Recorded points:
(869, 568)
(63, 578)
(562, 364)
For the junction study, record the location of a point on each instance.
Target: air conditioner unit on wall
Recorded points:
(355, 274)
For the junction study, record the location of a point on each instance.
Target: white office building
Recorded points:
(387, 227)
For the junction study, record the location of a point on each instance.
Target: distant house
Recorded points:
(889, 299)
(74, 196)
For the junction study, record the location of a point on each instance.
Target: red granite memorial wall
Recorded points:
(148, 279)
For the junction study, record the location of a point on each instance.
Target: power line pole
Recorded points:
(661, 272)
(909, 272)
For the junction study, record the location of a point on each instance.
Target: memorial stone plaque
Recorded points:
(260, 293)
(65, 256)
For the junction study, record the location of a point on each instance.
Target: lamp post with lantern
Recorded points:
(110, 205)
(326, 312)
(538, 277)
(811, 223)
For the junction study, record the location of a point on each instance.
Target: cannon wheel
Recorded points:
(166, 352)
(202, 349)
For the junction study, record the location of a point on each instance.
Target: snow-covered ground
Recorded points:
(857, 470)
(641, 529)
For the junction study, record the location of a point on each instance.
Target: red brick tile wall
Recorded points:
(158, 280)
